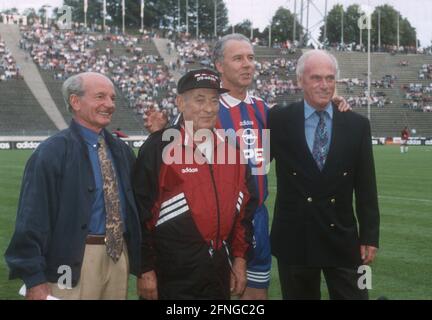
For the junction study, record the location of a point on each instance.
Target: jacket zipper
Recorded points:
(228, 253)
(217, 205)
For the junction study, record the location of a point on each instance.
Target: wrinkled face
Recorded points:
(95, 108)
(318, 81)
(201, 106)
(238, 65)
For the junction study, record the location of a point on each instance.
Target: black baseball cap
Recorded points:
(200, 78)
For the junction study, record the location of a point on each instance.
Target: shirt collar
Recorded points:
(230, 101)
(309, 110)
(89, 136)
(188, 137)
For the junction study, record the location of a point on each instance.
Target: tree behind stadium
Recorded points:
(282, 26)
(158, 14)
(352, 32)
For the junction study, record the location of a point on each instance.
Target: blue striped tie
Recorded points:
(319, 151)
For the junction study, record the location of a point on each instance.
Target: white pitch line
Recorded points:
(408, 199)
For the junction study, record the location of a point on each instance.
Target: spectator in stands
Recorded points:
(419, 95)
(425, 72)
(272, 79)
(119, 133)
(76, 208)
(192, 50)
(67, 53)
(378, 99)
(8, 68)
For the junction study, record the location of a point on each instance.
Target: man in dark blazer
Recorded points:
(323, 157)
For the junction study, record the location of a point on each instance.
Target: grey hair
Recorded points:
(219, 48)
(72, 85)
(309, 54)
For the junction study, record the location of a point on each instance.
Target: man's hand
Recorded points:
(155, 120)
(238, 276)
(368, 253)
(341, 104)
(147, 286)
(254, 294)
(39, 292)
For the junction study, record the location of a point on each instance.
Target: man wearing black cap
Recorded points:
(196, 206)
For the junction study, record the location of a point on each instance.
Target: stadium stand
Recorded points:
(20, 113)
(166, 49)
(275, 72)
(276, 77)
(144, 73)
(8, 67)
(388, 120)
(31, 76)
(132, 63)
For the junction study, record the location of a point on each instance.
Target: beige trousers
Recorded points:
(101, 278)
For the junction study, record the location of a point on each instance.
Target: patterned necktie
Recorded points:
(114, 226)
(319, 150)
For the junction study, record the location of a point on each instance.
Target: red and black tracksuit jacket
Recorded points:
(195, 216)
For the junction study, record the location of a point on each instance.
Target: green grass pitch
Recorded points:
(404, 263)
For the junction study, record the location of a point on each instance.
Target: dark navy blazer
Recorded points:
(55, 205)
